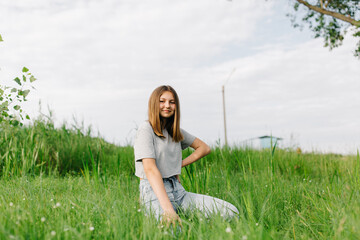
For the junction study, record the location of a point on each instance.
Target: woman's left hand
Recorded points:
(178, 178)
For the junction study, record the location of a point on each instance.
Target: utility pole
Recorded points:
(223, 96)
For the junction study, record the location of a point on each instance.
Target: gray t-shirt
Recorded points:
(166, 152)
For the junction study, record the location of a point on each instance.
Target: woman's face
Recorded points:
(167, 105)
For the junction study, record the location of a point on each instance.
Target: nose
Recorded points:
(167, 104)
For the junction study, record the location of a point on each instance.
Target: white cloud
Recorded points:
(101, 60)
(308, 91)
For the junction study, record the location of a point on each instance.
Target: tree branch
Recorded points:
(330, 13)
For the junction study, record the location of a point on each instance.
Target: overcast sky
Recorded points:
(100, 60)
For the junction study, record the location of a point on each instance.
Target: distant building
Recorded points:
(269, 141)
(262, 142)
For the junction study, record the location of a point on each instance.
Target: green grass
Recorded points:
(280, 194)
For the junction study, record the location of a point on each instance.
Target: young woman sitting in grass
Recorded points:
(158, 162)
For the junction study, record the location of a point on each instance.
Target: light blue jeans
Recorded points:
(181, 199)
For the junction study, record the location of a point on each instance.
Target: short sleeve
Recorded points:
(188, 139)
(144, 142)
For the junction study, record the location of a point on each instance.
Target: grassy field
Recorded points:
(64, 184)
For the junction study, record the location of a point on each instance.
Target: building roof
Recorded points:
(277, 138)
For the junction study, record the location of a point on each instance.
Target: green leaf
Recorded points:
(5, 104)
(1, 38)
(13, 90)
(17, 80)
(15, 123)
(1, 92)
(32, 78)
(24, 78)
(25, 69)
(27, 117)
(16, 107)
(26, 92)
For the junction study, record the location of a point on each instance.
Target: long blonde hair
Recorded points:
(172, 124)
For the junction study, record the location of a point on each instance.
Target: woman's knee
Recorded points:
(210, 205)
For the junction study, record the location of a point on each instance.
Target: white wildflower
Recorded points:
(57, 205)
(43, 219)
(51, 200)
(139, 210)
(91, 228)
(23, 199)
(244, 237)
(11, 204)
(53, 233)
(228, 230)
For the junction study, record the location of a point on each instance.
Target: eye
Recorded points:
(162, 101)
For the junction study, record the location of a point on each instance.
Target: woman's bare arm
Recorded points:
(201, 150)
(155, 179)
